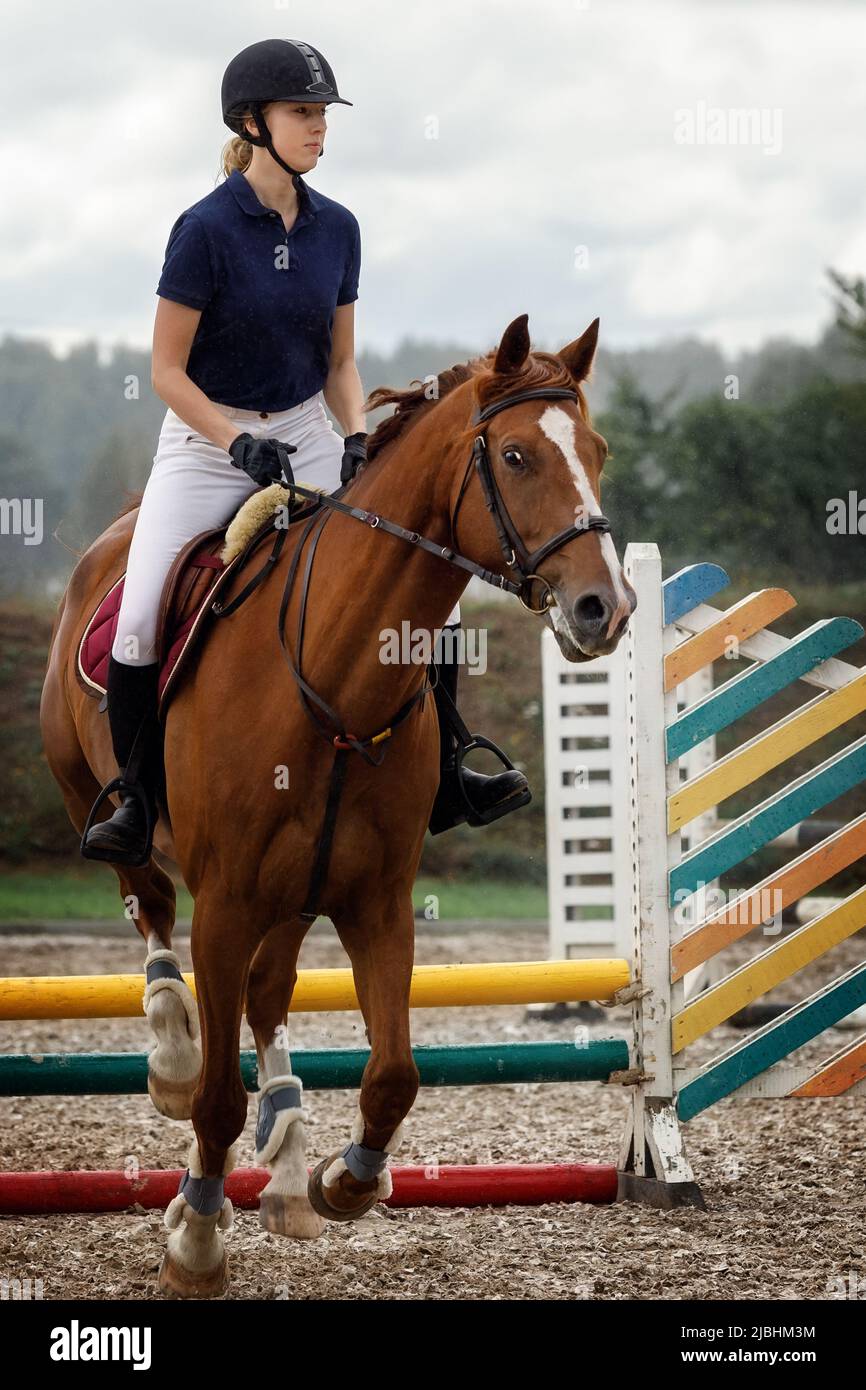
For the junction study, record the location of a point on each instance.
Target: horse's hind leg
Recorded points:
(174, 1064)
(280, 1133)
(380, 942)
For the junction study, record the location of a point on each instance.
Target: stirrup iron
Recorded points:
(126, 788)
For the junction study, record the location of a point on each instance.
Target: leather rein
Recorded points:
(517, 558)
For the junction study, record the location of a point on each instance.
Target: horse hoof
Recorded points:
(352, 1204)
(289, 1216)
(172, 1098)
(178, 1282)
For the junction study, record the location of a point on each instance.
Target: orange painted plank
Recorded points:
(838, 1074)
(746, 618)
(773, 893)
(769, 968)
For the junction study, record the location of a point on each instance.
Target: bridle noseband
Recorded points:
(516, 555)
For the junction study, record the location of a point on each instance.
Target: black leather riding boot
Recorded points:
(490, 797)
(136, 738)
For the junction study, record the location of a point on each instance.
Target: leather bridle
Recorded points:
(522, 562)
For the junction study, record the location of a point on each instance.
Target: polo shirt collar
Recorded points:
(247, 197)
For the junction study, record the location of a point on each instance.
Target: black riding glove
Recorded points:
(260, 458)
(355, 453)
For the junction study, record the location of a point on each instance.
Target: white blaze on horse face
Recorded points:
(559, 428)
(557, 424)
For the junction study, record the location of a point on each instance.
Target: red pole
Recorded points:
(457, 1185)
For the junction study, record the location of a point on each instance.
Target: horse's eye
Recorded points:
(513, 458)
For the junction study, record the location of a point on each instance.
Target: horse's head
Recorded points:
(543, 463)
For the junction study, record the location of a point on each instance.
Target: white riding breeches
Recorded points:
(193, 487)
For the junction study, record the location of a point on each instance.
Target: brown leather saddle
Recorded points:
(193, 582)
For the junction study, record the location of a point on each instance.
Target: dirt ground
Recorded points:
(785, 1181)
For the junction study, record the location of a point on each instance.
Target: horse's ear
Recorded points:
(513, 349)
(578, 356)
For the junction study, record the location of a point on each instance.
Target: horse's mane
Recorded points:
(539, 369)
(133, 500)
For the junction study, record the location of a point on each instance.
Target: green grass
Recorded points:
(26, 895)
(489, 898)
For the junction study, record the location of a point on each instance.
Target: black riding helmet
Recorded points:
(275, 70)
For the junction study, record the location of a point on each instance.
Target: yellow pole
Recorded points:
(524, 982)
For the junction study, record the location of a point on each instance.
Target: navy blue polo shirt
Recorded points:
(267, 295)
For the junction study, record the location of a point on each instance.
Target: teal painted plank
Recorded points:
(773, 1043)
(778, 813)
(751, 688)
(125, 1073)
(689, 587)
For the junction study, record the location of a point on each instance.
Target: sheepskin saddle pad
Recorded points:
(200, 570)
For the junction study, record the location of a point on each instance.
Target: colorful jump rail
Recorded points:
(522, 982)
(473, 1064)
(445, 1185)
(476, 1064)
(679, 633)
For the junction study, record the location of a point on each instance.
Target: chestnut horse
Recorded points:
(245, 834)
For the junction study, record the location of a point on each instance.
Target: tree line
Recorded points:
(735, 459)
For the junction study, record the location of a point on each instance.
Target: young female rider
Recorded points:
(255, 325)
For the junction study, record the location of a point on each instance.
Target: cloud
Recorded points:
(553, 130)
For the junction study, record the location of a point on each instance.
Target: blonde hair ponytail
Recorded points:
(237, 153)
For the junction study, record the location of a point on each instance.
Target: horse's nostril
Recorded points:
(591, 611)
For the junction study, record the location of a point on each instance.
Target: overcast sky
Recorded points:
(562, 125)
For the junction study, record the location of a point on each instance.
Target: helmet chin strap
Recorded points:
(264, 139)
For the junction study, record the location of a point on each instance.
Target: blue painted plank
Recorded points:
(752, 687)
(772, 1043)
(778, 813)
(689, 587)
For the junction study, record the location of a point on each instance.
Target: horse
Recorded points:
(248, 770)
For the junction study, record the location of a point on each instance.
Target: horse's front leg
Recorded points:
(174, 1063)
(225, 935)
(380, 942)
(284, 1207)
